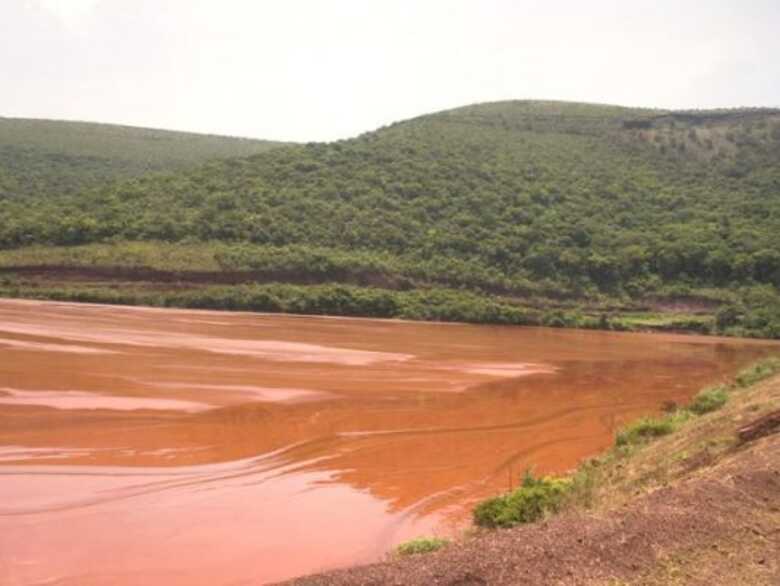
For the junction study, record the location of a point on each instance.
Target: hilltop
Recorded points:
(520, 212)
(49, 158)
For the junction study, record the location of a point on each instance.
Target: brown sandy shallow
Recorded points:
(719, 525)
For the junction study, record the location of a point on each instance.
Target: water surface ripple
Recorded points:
(173, 447)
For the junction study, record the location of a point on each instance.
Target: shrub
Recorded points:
(648, 428)
(421, 545)
(757, 372)
(708, 400)
(534, 498)
(554, 319)
(728, 316)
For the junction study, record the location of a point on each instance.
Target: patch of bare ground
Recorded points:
(697, 507)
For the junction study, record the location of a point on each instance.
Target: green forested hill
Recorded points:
(525, 201)
(51, 157)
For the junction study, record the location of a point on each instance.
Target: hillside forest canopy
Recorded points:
(526, 212)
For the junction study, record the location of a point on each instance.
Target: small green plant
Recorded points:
(534, 498)
(757, 372)
(421, 545)
(709, 400)
(648, 428)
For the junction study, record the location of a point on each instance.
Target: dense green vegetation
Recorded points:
(530, 502)
(344, 300)
(48, 158)
(527, 201)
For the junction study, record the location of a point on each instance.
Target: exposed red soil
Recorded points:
(120, 276)
(227, 277)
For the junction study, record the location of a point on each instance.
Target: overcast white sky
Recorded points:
(326, 69)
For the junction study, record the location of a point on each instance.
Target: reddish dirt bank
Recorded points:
(114, 275)
(149, 275)
(719, 525)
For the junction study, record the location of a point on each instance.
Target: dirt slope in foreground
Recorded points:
(701, 509)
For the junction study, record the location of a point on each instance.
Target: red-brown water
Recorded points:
(149, 446)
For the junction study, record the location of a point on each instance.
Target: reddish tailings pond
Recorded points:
(150, 446)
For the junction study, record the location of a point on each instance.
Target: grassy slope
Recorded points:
(692, 442)
(708, 448)
(532, 201)
(50, 158)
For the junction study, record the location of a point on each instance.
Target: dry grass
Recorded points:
(739, 558)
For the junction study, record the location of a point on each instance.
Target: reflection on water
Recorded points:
(181, 447)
